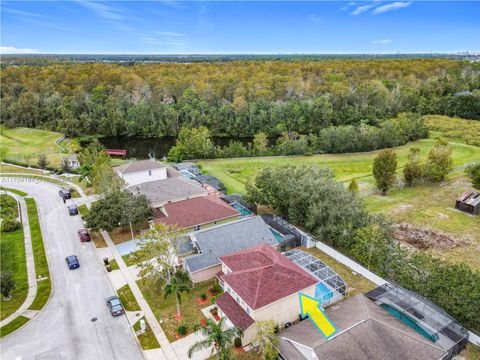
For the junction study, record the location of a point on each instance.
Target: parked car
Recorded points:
(65, 194)
(72, 210)
(84, 235)
(72, 262)
(115, 306)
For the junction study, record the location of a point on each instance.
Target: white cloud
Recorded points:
(382, 42)
(362, 9)
(169, 33)
(102, 10)
(391, 7)
(25, 13)
(14, 50)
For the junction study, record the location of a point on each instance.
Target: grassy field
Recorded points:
(236, 172)
(41, 264)
(22, 145)
(12, 257)
(456, 129)
(147, 339)
(13, 325)
(433, 205)
(165, 309)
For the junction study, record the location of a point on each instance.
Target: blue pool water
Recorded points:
(322, 292)
(278, 236)
(242, 209)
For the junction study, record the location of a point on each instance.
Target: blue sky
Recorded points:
(168, 27)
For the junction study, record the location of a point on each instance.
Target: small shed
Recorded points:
(469, 202)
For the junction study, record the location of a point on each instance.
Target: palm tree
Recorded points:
(216, 336)
(176, 288)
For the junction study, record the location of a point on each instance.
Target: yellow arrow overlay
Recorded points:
(311, 308)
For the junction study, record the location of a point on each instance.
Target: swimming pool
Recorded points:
(242, 209)
(323, 293)
(277, 235)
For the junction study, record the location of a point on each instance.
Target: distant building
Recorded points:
(72, 161)
(469, 202)
(138, 172)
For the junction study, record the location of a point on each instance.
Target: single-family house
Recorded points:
(168, 190)
(365, 331)
(261, 284)
(138, 172)
(195, 213)
(212, 243)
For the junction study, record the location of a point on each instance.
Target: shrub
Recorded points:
(203, 296)
(473, 171)
(7, 284)
(182, 330)
(384, 167)
(353, 187)
(412, 171)
(10, 224)
(237, 342)
(439, 162)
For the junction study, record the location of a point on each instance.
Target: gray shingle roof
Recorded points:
(162, 191)
(226, 239)
(136, 166)
(366, 332)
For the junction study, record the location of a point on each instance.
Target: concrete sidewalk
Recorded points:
(32, 280)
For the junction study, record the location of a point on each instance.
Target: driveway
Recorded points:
(63, 329)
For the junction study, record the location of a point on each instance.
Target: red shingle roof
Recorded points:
(234, 312)
(261, 275)
(195, 211)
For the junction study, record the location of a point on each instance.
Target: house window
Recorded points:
(149, 172)
(248, 310)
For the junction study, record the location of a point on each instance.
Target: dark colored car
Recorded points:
(72, 210)
(84, 235)
(115, 306)
(72, 262)
(65, 194)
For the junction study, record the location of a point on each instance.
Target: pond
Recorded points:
(143, 148)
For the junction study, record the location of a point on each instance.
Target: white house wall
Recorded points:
(144, 176)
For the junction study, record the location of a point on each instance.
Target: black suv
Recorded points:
(65, 194)
(72, 210)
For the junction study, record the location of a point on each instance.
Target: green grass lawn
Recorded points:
(13, 325)
(6, 168)
(127, 298)
(165, 309)
(12, 257)
(83, 209)
(236, 172)
(41, 265)
(15, 191)
(147, 339)
(433, 205)
(22, 146)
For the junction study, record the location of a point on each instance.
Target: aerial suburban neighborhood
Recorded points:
(239, 180)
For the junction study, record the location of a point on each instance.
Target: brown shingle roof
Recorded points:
(196, 211)
(261, 275)
(234, 312)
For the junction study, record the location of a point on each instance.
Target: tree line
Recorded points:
(310, 197)
(238, 98)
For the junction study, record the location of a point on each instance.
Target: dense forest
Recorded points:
(235, 98)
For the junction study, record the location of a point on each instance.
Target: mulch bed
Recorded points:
(178, 317)
(425, 238)
(201, 301)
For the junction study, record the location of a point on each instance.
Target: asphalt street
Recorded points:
(64, 328)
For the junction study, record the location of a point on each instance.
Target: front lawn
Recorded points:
(128, 299)
(120, 234)
(147, 339)
(12, 258)
(165, 309)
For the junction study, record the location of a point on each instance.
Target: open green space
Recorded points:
(147, 339)
(15, 191)
(433, 206)
(13, 325)
(236, 172)
(23, 145)
(13, 259)
(128, 299)
(41, 264)
(165, 309)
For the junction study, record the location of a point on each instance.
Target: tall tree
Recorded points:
(266, 339)
(217, 336)
(260, 143)
(439, 161)
(412, 170)
(384, 168)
